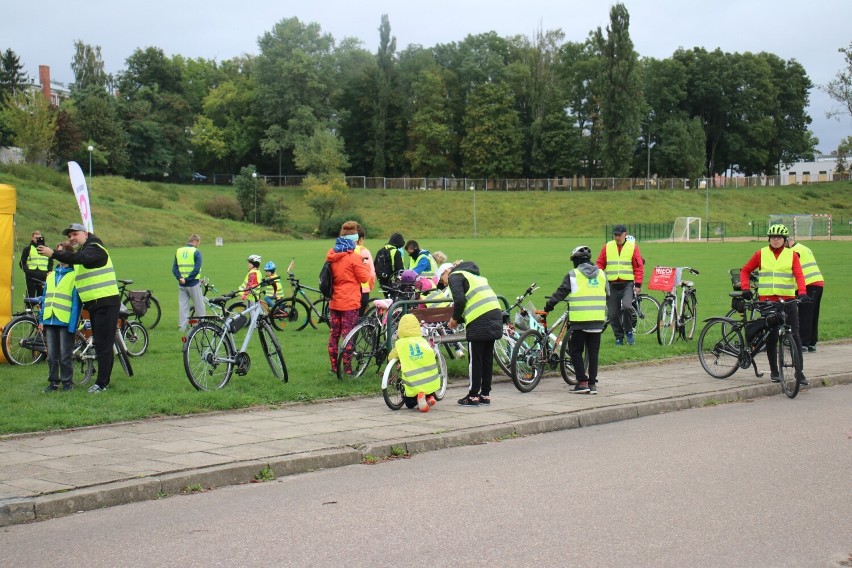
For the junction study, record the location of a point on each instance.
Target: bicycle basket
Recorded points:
(526, 317)
(139, 300)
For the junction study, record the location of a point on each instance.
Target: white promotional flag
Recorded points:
(81, 193)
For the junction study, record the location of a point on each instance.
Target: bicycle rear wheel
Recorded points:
(690, 315)
(566, 366)
(393, 390)
(208, 356)
(644, 314)
(528, 360)
(120, 351)
(272, 351)
(151, 317)
(289, 314)
(720, 348)
(359, 347)
(23, 343)
(667, 322)
(442, 371)
(788, 364)
(503, 350)
(135, 338)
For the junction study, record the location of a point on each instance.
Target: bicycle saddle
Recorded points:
(687, 283)
(126, 282)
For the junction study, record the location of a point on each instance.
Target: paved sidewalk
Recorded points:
(53, 474)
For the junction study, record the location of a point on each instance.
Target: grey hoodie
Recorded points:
(589, 271)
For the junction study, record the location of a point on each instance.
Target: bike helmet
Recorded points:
(254, 258)
(778, 230)
(408, 276)
(270, 266)
(630, 238)
(581, 251)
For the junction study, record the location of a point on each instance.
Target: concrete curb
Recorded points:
(16, 511)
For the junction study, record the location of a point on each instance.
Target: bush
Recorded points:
(275, 214)
(223, 207)
(331, 227)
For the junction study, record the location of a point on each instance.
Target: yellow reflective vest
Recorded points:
(35, 261)
(95, 283)
(619, 265)
(185, 257)
(419, 366)
(809, 266)
(479, 299)
(57, 297)
(776, 274)
(587, 301)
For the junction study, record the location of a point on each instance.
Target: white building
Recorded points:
(821, 169)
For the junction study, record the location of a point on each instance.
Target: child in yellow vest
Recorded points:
(420, 374)
(60, 311)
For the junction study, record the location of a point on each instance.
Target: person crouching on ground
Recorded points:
(420, 375)
(60, 312)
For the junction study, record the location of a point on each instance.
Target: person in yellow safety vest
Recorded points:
(58, 318)
(586, 288)
(625, 271)
(367, 285)
(421, 377)
(814, 285)
(253, 277)
(274, 290)
(186, 268)
(780, 279)
(35, 266)
(420, 261)
(475, 304)
(98, 289)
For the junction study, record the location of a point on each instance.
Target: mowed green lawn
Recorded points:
(160, 386)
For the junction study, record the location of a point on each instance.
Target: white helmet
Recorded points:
(254, 258)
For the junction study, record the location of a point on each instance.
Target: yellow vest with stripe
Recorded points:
(57, 297)
(419, 366)
(776, 274)
(258, 276)
(185, 257)
(95, 283)
(273, 290)
(588, 301)
(440, 295)
(433, 266)
(619, 266)
(809, 265)
(35, 261)
(479, 299)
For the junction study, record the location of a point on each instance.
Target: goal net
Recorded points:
(686, 229)
(804, 226)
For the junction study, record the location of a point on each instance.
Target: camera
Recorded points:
(39, 241)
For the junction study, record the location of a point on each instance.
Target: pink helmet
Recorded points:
(408, 276)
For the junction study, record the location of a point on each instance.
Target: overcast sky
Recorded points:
(43, 32)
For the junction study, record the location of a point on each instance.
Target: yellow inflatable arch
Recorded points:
(7, 247)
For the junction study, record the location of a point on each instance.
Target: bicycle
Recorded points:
(503, 347)
(214, 309)
(83, 357)
(366, 342)
(393, 390)
(22, 342)
(299, 309)
(727, 344)
(141, 304)
(210, 355)
(678, 318)
(643, 313)
(532, 353)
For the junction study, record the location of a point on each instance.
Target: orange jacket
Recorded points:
(348, 271)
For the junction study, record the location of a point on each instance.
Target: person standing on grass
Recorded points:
(35, 266)
(95, 281)
(348, 271)
(58, 318)
(814, 285)
(625, 271)
(587, 288)
(475, 304)
(186, 268)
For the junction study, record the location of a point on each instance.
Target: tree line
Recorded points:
(485, 106)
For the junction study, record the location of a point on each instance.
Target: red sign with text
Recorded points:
(663, 278)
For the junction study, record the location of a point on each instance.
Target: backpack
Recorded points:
(140, 301)
(384, 264)
(326, 280)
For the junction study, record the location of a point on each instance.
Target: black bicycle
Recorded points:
(298, 311)
(141, 304)
(726, 344)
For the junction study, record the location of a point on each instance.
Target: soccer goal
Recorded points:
(687, 229)
(805, 226)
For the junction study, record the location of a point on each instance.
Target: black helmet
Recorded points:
(581, 251)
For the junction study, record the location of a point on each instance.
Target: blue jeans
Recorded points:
(60, 346)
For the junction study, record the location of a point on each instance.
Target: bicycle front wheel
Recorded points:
(290, 314)
(23, 343)
(393, 390)
(788, 364)
(272, 351)
(356, 350)
(690, 315)
(667, 322)
(528, 360)
(503, 350)
(645, 314)
(135, 338)
(120, 351)
(208, 356)
(566, 366)
(720, 348)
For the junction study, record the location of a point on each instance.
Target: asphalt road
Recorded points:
(762, 483)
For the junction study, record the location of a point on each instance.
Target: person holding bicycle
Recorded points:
(587, 288)
(98, 289)
(625, 271)
(58, 318)
(814, 284)
(186, 267)
(780, 278)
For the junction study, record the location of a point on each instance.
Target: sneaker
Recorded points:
(431, 400)
(486, 400)
(469, 401)
(67, 386)
(811, 349)
(580, 388)
(51, 387)
(802, 379)
(97, 388)
(619, 342)
(422, 405)
(775, 378)
(630, 339)
(593, 387)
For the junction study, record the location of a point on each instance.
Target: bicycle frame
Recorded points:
(253, 312)
(674, 320)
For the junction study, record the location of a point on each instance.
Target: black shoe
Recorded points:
(486, 400)
(593, 387)
(775, 378)
(802, 379)
(67, 386)
(469, 401)
(580, 388)
(51, 387)
(811, 349)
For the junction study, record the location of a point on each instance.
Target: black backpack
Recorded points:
(326, 280)
(384, 264)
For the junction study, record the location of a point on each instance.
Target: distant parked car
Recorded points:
(199, 177)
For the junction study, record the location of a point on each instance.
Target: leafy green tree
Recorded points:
(492, 146)
(12, 76)
(207, 140)
(95, 114)
(69, 139)
(251, 193)
(680, 151)
(840, 88)
(326, 194)
(321, 153)
(559, 151)
(88, 67)
(32, 121)
(354, 101)
(430, 133)
(578, 66)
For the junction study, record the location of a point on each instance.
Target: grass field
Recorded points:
(160, 386)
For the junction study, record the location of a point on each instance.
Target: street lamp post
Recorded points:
(647, 125)
(254, 175)
(91, 149)
(473, 189)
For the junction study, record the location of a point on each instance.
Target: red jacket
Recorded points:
(636, 260)
(348, 271)
(754, 264)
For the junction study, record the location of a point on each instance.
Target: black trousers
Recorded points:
(809, 317)
(620, 298)
(481, 367)
(104, 322)
(591, 342)
(34, 288)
